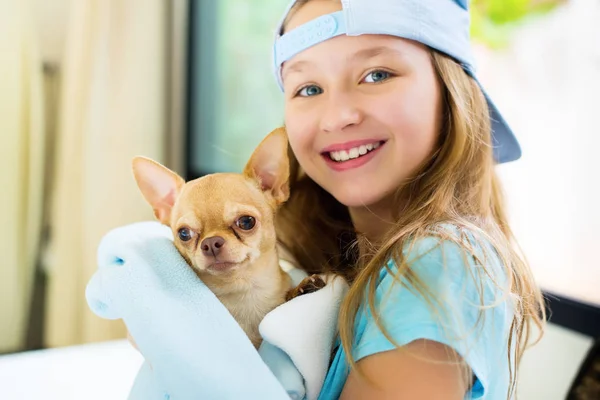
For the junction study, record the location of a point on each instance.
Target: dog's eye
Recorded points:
(184, 234)
(246, 222)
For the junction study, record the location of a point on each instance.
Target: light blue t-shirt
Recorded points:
(459, 283)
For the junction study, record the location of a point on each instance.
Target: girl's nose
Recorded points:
(340, 112)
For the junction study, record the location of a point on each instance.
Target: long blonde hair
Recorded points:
(456, 185)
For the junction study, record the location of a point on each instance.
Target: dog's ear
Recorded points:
(269, 165)
(159, 185)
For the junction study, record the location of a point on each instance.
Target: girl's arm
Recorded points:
(422, 369)
(450, 341)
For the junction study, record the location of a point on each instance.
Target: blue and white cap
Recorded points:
(440, 24)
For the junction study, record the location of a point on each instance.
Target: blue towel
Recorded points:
(193, 347)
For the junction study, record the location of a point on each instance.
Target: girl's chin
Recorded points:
(357, 196)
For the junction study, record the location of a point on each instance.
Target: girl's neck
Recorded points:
(373, 221)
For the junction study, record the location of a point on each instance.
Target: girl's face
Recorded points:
(362, 112)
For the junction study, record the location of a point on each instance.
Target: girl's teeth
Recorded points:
(353, 153)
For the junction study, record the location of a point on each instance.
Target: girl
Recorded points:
(392, 148)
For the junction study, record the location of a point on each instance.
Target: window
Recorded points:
(235, 100)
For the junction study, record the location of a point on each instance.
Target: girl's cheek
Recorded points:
(298, 127)
(297, 140)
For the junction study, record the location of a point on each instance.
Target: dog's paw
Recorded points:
(309, 284)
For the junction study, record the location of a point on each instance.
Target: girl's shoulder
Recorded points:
(447, 255)
(463, 238)
(452, 240)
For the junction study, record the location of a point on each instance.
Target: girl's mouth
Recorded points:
(354, 157)
(353, 153)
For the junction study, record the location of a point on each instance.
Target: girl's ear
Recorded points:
(270, 167)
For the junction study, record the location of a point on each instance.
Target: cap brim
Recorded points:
(506, 145)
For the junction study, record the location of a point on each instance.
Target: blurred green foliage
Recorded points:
(493, 21)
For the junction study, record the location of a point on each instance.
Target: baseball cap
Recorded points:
(443, 25)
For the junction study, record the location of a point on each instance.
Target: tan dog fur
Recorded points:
(245, 274)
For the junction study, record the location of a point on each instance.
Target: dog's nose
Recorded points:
(212, 246)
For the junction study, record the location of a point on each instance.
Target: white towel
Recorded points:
(196, 348)
(304, 329)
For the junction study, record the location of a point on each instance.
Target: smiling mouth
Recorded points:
(353, 153)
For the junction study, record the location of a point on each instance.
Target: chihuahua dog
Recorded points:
(223, 226)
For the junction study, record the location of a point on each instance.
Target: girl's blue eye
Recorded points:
(377, 76)
(310, 90)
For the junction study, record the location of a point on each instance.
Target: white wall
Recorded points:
(546, 85)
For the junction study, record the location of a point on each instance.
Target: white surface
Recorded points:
(91, 372)
(548, 369)
(107, 370)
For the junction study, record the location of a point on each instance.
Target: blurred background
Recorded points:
(86, 85)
